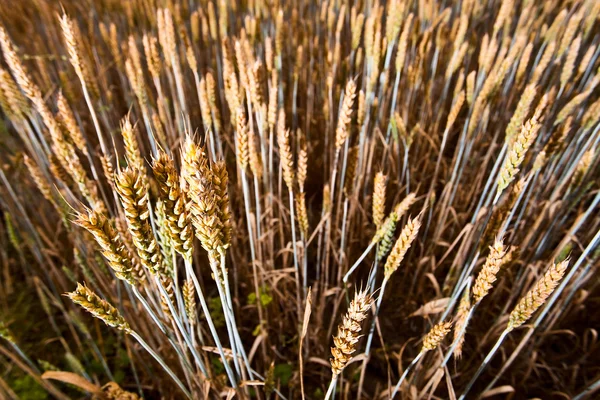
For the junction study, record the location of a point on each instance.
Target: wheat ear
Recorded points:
(487, 275)
(379, 187)
(537, 295)
(345, 342)
(113, 249)
(99, 308)
(403, 243)
(174, 200)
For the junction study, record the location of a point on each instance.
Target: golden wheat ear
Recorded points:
(98, 307)
(435, 336)
(537, 296)
(346, 340)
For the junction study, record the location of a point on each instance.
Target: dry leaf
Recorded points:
(73, 379)
(433, 307)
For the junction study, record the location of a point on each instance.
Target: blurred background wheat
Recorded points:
(299, 199)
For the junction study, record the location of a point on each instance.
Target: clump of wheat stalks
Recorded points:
(295, 141)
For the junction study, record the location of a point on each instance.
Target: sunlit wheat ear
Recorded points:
(204, 203)
(68, 119)
(302, 161)
(520, 113)
(403, 243)
(286, 157)
(460, 323)
(572, 105)
(435, 336)
(487, 275)
(537, 295)
(132, 148)
(346, 340)
(14, 103)
(569, 65)
(220, 181)
(583, 167)
(99, 308)
(241, 135)
(18, 70)
(379, 187)
(174, 201)
(72, 45)
(342, 130)
(134, 199)
(516, 154)
(108, 169)
(212, 100)
(590, 117)
(204, 106)
(133, 193)
(40, 180)
(113, 249)
(163, 236)
(455, 110)
(152, 57)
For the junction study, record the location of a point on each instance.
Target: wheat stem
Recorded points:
(485, 362)
(162, 363)
(405, 373)
(209, 321)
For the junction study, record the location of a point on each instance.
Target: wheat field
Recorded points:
(299, 199)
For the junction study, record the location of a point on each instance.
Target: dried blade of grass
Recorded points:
(73, 379)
